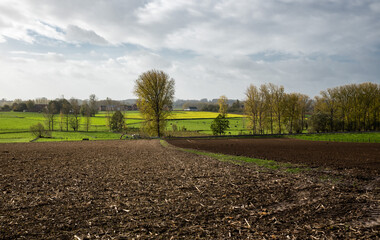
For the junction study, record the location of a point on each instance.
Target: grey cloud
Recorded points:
(79, 35)
(220, 27)
(301, 44)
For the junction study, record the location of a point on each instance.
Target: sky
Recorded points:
(54, 48)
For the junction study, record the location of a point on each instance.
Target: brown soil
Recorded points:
(312, 153)
(141, 190)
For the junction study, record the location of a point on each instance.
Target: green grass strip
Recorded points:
(269, 164)
(363, 137)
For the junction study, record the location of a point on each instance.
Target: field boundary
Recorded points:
(239, 160)
(267, 135)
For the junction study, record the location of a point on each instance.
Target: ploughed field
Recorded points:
(142, 190)
(338, 155)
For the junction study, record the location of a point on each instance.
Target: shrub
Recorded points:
(219, 125)
(117, 122)
(39, 131)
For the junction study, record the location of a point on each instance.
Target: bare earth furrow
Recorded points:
(139, 189)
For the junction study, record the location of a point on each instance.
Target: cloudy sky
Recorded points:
(50, 48)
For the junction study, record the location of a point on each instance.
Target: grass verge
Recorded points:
(268, 164)
(364, 137)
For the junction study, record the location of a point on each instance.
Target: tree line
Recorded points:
(68, 113)
(270, 110)
(353, 107)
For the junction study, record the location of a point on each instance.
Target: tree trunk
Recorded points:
(158, 126)
(271, 123)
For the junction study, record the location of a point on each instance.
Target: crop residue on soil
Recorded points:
(139, 189)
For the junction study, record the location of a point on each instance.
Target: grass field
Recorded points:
(14, 126)
(59, 136)
(237, 125)
(175, 115)
(16, 122)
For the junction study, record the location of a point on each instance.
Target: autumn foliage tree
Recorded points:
(223, 105)
(155, 92)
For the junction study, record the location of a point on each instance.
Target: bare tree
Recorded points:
(278, 100)
(93, 105)
(251, 105)
(75, 114)
(304, 103)
(86, 113)
(108, 111)
(65, 108)
(50, 113)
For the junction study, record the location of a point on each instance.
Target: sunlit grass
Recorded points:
(195, 114)
(77, 136)
(17, 123)
(15, 137)
(175, 115)
(268, 164)
(59, 136)
(373, 137)
(237, 125)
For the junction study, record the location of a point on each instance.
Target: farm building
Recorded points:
(118, 108)
(191, 109)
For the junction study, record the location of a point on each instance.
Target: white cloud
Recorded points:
(140, 62)
(49, 56)
(210, 47)
(161, 11)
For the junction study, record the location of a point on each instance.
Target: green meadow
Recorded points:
(14, 126)
(238, 125)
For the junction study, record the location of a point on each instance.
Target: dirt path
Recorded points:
(139, 189)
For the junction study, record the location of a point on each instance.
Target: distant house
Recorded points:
(103, 108)
(132, 107)
(191, 109)
(118, 108)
